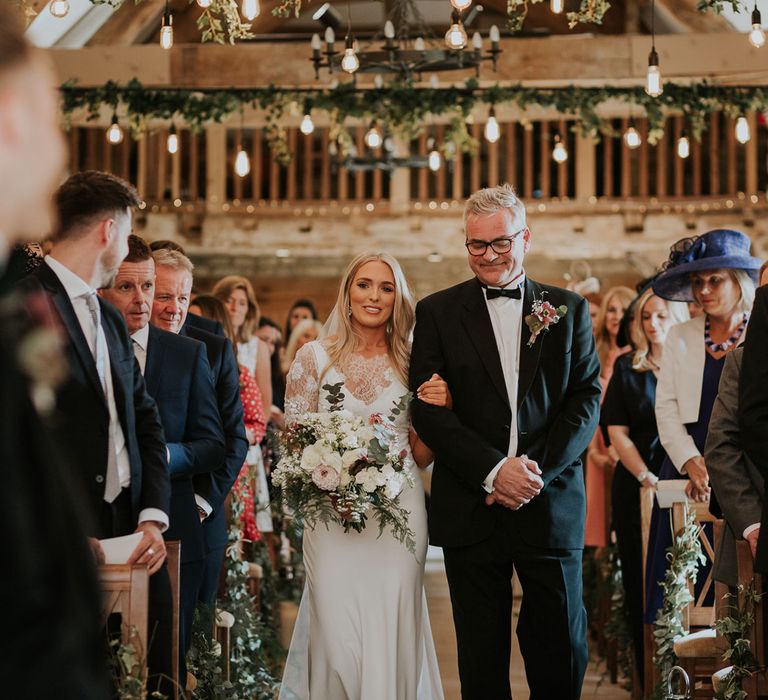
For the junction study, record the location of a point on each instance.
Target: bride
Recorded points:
(362, 631)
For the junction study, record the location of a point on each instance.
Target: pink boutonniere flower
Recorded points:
(542, 316)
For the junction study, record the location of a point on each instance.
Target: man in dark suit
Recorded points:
(212, 489)
(178, 377)
(109, 426)
(508, 489)
(52, 648)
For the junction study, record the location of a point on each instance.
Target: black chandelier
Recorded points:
(407, 50)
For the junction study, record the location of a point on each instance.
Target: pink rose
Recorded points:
(325, 478)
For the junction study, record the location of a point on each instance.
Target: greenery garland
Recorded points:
(684, 557)
(735, 628)
(404, 109)
(617, 627)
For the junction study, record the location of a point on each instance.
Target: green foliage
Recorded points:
(617, 628)
(717, 6)
(684, 557)
(735, 628)
(404, 109)
(204, 660)
(335, 395)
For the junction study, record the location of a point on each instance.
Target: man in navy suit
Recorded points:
(214, 487)
(109, 428)
(178, 376)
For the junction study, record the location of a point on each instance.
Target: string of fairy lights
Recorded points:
(456, 39)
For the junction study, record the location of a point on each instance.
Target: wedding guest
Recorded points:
(717, 271)
(239, 298)
(52, 647)
(209, 308)
(301, 310)
(215, 487)
(271, 334)
(595, 301)
(601, 458)
(178, 377)
(109, 426)
(304, 332)
(628, 414)
(762, 276)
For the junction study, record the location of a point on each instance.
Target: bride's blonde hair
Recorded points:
(343, 340)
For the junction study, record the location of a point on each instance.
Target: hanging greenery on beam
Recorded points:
(404, 110)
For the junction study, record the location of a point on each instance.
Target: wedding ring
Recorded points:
(151, 552)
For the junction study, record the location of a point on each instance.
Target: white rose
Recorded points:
(311, 457)
(394, 485)
(350, 457)
(368, 479)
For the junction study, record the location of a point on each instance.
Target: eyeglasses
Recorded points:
(500, 246)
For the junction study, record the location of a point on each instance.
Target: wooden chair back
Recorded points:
(173, 562)
(125, 590)
(698, 613)
(756, 684)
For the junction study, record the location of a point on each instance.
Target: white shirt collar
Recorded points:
(141, 337)
(73, 285)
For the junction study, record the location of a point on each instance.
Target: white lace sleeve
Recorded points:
(301, 391)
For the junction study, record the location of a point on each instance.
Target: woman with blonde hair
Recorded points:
(362, 630)
(628, 414)
(601, 458)
(303, 332)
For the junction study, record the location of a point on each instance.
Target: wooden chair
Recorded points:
(223, 623)
(756, 685)
(700, 651)
(125, 590)
(650, 672)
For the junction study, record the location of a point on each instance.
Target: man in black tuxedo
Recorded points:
(109, 426)
(178, 377)
(508, 488)
(52, 648)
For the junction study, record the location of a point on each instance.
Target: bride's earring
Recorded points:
(349, 310)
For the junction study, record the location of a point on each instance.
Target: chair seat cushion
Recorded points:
(704, 644)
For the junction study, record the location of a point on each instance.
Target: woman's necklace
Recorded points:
(722, 347)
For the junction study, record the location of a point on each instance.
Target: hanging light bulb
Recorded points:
(251, 9)
(173, 140)
(653, 84)
(419, 44)
(559, 152)
(242, 162)
(757, 35)
(114, 132)
(556, 6)
(456, 37)
(742, 130)
(307, 126)
(434, 161)
(204, 3)
(373, 138)
(632, 137)
(166, 31)
(350, 62)
(389, 30)
(461, 5)
(59, 8)
(492, 131)
(683, 146)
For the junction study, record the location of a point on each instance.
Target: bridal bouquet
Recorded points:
(339, 467)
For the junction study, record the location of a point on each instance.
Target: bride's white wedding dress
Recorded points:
(362, 631)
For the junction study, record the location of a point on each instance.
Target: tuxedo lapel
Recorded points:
(152, 371)
(477, 323)
(529, 356)
(69, 318)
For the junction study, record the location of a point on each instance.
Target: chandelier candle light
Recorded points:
(492, 131)
(559, 152)
(173, 140)
(251, 9)
(683, 146)
(742, 130)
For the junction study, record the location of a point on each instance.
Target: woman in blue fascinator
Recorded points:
(717, 271)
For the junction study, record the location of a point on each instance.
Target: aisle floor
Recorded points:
(439, 603)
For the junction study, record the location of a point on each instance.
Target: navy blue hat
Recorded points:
(721, 249)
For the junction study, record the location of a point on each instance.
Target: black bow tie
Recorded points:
(494, 293)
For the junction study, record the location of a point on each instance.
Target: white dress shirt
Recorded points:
(506, 318)
(77, 290)
(140, 341)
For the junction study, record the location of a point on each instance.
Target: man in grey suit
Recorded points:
(734, 477)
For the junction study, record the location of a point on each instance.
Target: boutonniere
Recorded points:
(542, 316)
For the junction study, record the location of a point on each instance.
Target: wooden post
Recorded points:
(528, 161)
(360, 176)
(457, 187)
(544, 160)
(562, 168)
(257, 167)
(750, 153)
(141, 169)
(237, 182)
(216, 163)
(679, 163)
(714, 153)
(626, 162)
(607, 165)
(291, 186)
(175, 170)
(423, 176)
(308, 165)
(474, 165)
(440, 174)
(732, 172)
(160, 154)
(642, 127)
(696, 166)
(400, 182)
(325, 166)
(586, 167)
(661, 163)
(511, 153)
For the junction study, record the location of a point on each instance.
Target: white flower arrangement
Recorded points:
(338, 467)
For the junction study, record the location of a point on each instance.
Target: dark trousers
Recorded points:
(115, 521)
(191, 577)
(211, 576)
(551, 628)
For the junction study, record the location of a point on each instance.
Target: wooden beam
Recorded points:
(551, 61)
(129, 24)
(586, 166)
(750, 156)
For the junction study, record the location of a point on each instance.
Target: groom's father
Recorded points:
(508, 489)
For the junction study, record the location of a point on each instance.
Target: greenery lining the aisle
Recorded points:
(617, 628)
(684, 557)
(735, 628)
(405, 109)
